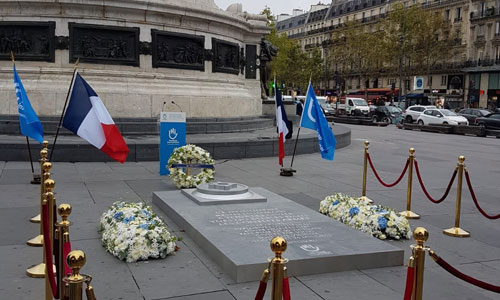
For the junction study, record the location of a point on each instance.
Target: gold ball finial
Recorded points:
(44, 153)
(45, 144)
(64, 210)
(367, 143)
(421, 235)
(412, 151)
(46, 166)
(76, 259)
(461, 159)
(49, 183)
(278, 245)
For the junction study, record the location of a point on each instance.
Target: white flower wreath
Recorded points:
(190, 154)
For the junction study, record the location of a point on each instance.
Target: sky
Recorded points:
(277, 6)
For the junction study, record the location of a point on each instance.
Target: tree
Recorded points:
(271, 19)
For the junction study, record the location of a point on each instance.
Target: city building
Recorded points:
(469, 77)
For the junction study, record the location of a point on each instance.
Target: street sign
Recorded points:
(418, 83)
(172, 135)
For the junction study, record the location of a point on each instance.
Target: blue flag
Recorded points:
(314, 118)
(28, 120)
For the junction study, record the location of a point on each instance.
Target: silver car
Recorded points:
(441, 116)
(413, 112)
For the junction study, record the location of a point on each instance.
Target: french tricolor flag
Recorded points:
(87, 117)
(282, 123)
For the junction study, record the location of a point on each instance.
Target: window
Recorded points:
(430, 81)
(447, 14)
(495, 116)
(482, 9)
(428, 112)
(497, 28)
(459, 13)
(480, 30)
(436, 113)
(443, 80)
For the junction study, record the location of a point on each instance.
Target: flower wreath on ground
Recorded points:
(190, 154)
(132, 232)
(379, 221)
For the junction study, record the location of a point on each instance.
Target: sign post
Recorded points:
(172, 135)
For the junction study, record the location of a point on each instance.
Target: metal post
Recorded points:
(278, 246)
(76, 260)
(43, 158)
(38, 271)
(46, 166)
(456, 231)
(49, 196)
(421, 235)
(365, 170)
(408, 213)
(64, 211)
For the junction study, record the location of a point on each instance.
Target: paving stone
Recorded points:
(222, 295)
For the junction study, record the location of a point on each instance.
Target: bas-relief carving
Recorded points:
(174, 50)
(27, 40)
(226, 57)
(104, 44)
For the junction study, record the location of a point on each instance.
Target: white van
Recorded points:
(351, 104)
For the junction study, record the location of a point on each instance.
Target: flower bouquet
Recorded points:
(132, 232)
(190, 154)
(379, 221)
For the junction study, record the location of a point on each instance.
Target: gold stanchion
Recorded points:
(76, 260)
(38, 271)
(365, 170)
(456, 231)
(421, 235)
(89, 290)
(62, 232)
(408, 213)
(43, 158)
(46, 166)
(49, 198)
(278, 246)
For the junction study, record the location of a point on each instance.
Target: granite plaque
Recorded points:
(27, 40)
(237, 236)
(222, 193)
(226, 57)
(104, 44)
(176, 50)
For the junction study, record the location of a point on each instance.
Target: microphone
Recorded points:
(177, 105)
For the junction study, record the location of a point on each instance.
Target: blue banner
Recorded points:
(172, 135)
(314, 118)
(28, 120)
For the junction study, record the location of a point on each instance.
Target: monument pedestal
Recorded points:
(236, 236)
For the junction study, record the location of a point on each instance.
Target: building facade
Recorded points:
(469, 77)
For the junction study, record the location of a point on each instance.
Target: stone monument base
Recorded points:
(237, 236)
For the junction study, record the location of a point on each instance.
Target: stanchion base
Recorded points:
(37, 179)
(456, 232)
(370, 201)
(36, 241)
(409, 214)
(287, 171)
(36, 219)
(38, 271)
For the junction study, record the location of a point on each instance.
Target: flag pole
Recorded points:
(298, 131)
(64, 109)
(34, 180)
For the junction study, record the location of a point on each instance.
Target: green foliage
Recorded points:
(271, 20)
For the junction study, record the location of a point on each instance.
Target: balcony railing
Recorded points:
(489, 12)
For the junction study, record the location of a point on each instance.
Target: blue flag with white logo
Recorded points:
(314, 118)
(28, 120)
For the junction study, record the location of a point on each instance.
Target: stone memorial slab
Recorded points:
(237, 236)
(222, 193)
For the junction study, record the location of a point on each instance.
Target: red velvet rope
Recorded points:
(410, 277)
(417, 170)
(475, 199)
(48, 250)
(458, 274)
(286, 289)
(380, 179)
(261, 291)
(66, 251)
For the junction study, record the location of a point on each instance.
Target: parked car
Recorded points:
(352, 104)
(441, 116)
(471, 114)
(413, 112)
(326, 107)
(386, 114)
(491, 121)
